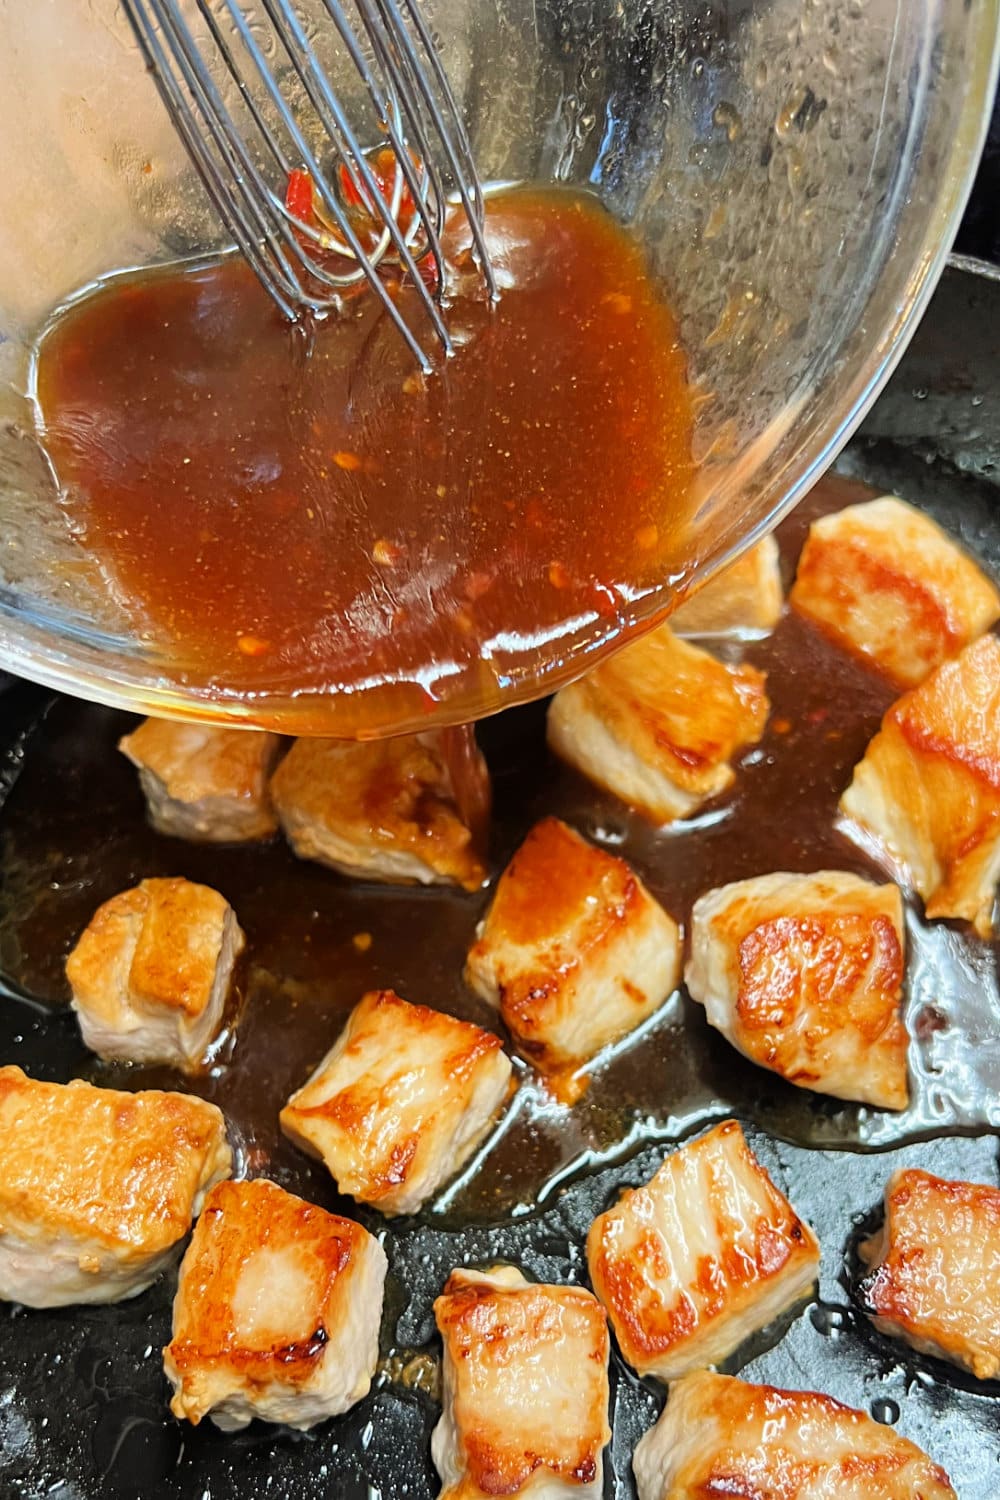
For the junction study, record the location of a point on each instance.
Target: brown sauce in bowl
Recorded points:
(289, 512)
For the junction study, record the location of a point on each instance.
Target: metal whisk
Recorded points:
(256, 110)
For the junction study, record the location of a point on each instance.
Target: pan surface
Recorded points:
(83, 1409)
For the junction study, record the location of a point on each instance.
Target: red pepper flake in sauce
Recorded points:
(352, 462)
(386, 554)
(253, 645)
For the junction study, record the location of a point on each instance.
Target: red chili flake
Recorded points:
(299, 196)
(386, 553)
(253, 645)
(348, 461)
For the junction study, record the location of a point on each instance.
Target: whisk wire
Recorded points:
(185, 123)
(463, 167)
(334, 119)
(306, 264)
(329, 199)
(388, 113)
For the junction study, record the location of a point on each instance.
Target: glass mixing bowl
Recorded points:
(795, 169)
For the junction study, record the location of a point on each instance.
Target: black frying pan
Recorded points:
(83, 1411)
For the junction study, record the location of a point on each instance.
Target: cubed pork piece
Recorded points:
(574, 951)
(277, 1311)
(887, 584)
(926, 797)
(206, 785)
(151, 972)
(659, 724)
(385, 810)
(935, 1270)
(98, 1187)
(400, 1102)
(745, 600)
(720, 1437)
(525, 1389)
(804, 974)
(707, 1253)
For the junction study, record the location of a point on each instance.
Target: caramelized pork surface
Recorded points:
(203, 784)
(525, 1389)
(885, 582)
(384, 809)
(400, 1101)
(277, 1311)
(744, 600)
(151, 972)
(98, 1187)
(705, 1254)
(926, 796)
(935, 1269)
(659, 724)
(573, 951)
(720, 1438)
(804, 974)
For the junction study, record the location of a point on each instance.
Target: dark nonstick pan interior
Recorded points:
(83, 1410)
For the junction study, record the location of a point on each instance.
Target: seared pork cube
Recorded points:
(525, 1389)
(886, 583)
(804, 974)
(400, 1102)
(724, 1437)
(382, 810)
(707, 1253)
(574, 951)
(659, 724)
(151, 972)
(744, 600)
(935, 1270)
(97, 1187)
(202, 784)
(277, 1311)
(926, 796)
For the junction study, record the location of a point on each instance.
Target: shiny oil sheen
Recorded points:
(301, 511)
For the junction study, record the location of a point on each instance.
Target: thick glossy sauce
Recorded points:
(292, 513)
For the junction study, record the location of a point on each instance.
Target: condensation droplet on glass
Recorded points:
(698, 67)
(920, 393)
(977, 400)
(727, 117)
(785, 119)
(760, 76)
